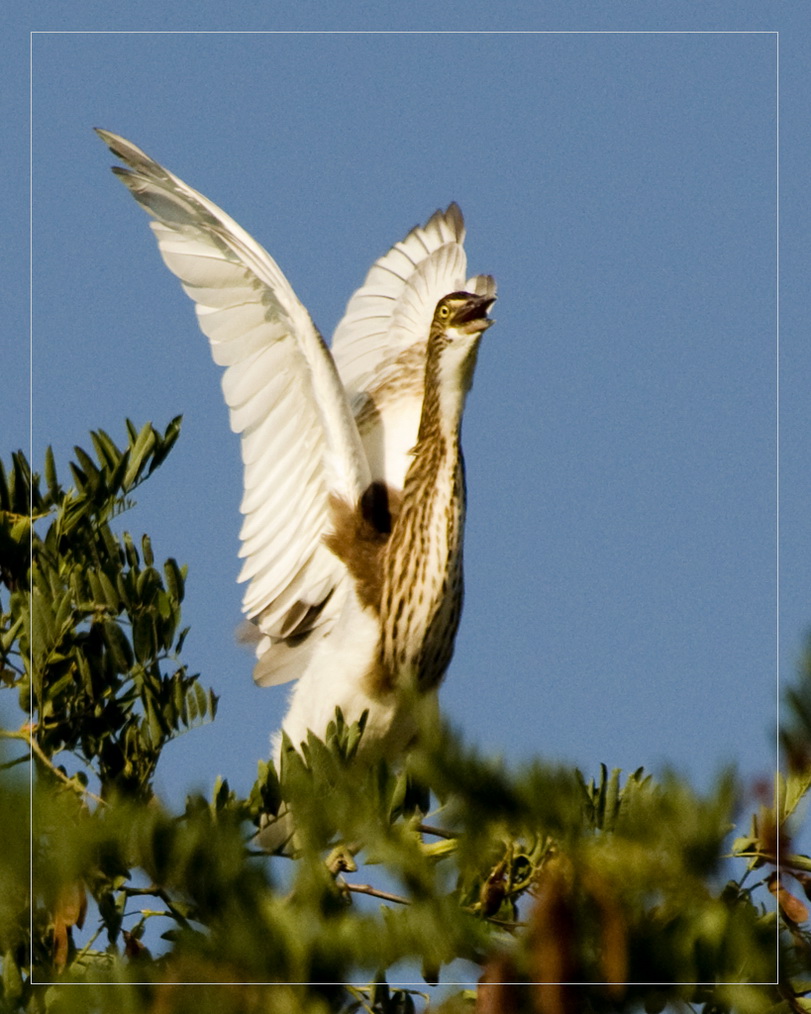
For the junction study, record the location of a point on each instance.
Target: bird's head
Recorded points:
(459, 321)
(462, 314)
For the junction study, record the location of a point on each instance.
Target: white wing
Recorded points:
(299, 440)
(379, 345)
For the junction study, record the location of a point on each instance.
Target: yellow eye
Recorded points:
(444, 311)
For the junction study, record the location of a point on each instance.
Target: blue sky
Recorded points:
(620, 439)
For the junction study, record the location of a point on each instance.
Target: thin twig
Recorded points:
(157, 892)
(386, 896)
(85, 950)
(437, 832)
(505, 923)
(13, 734)
(375, 892)
(153, 890)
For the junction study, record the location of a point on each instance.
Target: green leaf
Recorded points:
(139, 453)
(116, 476)
(108, 454)
(191, 712)
(201, 699)
(43, 622)
(611, 800)
(85, 673)
(12, 979)
(178, 696)
(155, 723)
(175, 579)
(9, 636)
(109, 591)
(143, 637)
(122, 590)
(92, 474)
(131, 552)
(118, 646)
(149, 581)
(20, 532)
(181, 638)
(79, 477)
(64, 612)
(78, 585)
(21, 483)
(96, 588)
(5, 494)
(50, 474)
(166, 443)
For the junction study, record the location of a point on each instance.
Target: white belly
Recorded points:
(335, 678)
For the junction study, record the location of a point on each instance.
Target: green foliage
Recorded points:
(534, 876)
(91, 623)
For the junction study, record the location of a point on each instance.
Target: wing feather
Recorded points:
(379, 345)
(299, 440)
(363, 339)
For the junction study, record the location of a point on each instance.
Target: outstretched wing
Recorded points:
(300, 444)
(379, 345)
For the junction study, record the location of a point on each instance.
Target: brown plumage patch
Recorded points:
(300, 620)
(378, 681)
(359, 536)
(376, 507)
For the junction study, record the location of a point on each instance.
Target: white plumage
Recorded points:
(313, 425)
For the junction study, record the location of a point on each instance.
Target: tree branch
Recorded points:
(27, 735)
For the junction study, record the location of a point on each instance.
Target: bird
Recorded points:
(354, 485)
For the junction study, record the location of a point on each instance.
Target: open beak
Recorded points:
(472, 316)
